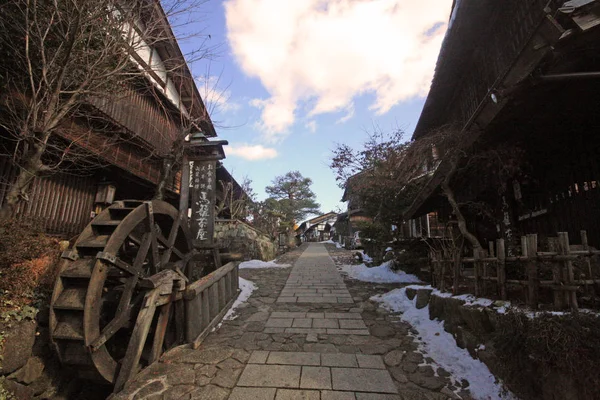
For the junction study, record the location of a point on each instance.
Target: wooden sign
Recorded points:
(203, 191)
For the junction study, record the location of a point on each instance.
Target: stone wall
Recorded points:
(474, 326)
(239, 237)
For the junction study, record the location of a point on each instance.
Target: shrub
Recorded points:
(566, 344)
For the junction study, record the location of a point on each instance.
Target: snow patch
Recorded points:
(252, 264)
(435, 342)
(246, 289)
(328, 241)
(366, 258)
(380, 274)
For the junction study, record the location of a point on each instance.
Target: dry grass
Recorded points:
(28, 261)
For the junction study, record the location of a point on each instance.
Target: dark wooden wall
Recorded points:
(60, 204)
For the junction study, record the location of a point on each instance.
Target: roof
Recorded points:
(482, 42)
(348, 185)
(169, 49)
(321, 218)
(469, 22)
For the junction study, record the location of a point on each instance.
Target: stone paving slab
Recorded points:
(296, 358)
(315, 323)
(336, 395)
(279, 376)
(378, 396)
(308, 358)
(289, 394)
(364, 380)
(247, 393)
(339, 360)
(315, 378)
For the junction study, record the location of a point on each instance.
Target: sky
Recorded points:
(292, 78)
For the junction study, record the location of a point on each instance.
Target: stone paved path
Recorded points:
(302, 335)
(314, 279)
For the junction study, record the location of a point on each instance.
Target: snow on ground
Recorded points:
(380, 274)
(435, 342)
(262, 264)
(366, 258)
(328, 241)
(246, 287)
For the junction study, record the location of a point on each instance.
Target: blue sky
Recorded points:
(293, 78)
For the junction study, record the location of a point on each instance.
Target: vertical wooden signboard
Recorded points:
(203, 191)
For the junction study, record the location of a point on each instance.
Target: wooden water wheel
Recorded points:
(104, 284)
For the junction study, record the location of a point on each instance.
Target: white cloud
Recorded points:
(251, 152)
(311, 126)
(216, 96)
(327, 52)
(348, 116)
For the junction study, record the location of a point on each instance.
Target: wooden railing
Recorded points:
(572, 269)
(207, 301)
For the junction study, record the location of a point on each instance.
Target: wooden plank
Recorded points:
(568, 270)
(213, 302)
(198, 341)
(477, 272)
(501, 268)
(159, 333)
(208, 280)
(205, 309)
(222, 293)
(137, 341)
(227, 281)
(532, 273)
(194, 318)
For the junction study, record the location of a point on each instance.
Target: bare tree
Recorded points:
(392, 172)
(61, 60)
(460, 159)
(237, 202)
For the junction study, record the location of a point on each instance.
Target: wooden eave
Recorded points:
(540, 44)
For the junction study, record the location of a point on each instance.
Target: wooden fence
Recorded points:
(208, 299)
(564, 270)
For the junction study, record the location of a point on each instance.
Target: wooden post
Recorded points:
(586, 247)
(456, 277)
(556, 274)
(205, 307)
(571, 295)
(501, 268)
(476, 265)
(533, 286)
(213, 296)
(222, 299)
(443, 272)
(432, 268)
(137, 341)
(524, 247)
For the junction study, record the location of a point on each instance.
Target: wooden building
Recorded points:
(524, 74)
(144, 121)
(316, 229)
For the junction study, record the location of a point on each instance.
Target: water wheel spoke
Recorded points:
(117, 262)
(121, 320)
(153, 231)
(131, 283)
(169, 244)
